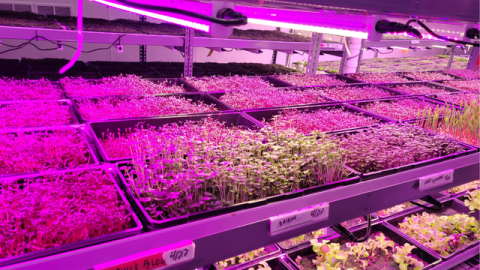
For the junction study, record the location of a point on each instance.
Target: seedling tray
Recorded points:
(136, 226)
(393, 92)
(152, 224)
(54, 84)
(272, 80)
(418, 98)
(440, 196)
(274, 250)
(347, 80)
(55, 76)
(435, 97)
(268, 113)
(432, 71)
(66, 102)
(276, 263)
(469, 149)
(451, 207)
(97, 128)
(429, 84)
(194, 97)
(400, 74)
(420, 252)
(91, 154)
(170, 82)
(328, 232)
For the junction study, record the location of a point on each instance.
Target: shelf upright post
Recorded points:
(360, 57)
(343, 62)
(314, 53)
(473, 59)
(287, 60)
(143, 48)
(274, 54)
(188, 49)
(450, 60)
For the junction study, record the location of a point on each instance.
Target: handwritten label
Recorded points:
(435, 180)
(415, 41)
(302, 217)
(159, 258)
(332, 45)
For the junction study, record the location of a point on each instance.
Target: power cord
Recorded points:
(429, 199)
(438, 36)
(234, 18)
(340, 229)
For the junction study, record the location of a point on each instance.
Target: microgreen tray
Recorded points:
(54, 84)
(194, 97)
(361, 105)
(450, 207)
(440, 196)
(428, 84)
(271, 251)
(437, 98)
(135, 224)
(270, 79)
(90, 154)
(341, 77)
(429, 259)
(267, 114)
(55, 76)
(275, 263)
(64, 102)
(432, 71)
(400, 74)
(468, 149)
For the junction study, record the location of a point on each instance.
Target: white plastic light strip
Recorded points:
(317, 29)
(190, 24)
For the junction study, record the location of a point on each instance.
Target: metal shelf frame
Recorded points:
(228, 235)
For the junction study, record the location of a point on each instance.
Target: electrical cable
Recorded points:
(347, 234)
(238, 18)
(224, 50)
(431, 200)
(441, 37)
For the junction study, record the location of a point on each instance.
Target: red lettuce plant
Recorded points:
(42, 150)
(114, 108)
(12, 89)
(321, 120)
(34, 114)
(57, 209)
(118, 85)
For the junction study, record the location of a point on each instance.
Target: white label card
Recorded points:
(435, 180)
(179, 255)
(415, 41)
(299, 218)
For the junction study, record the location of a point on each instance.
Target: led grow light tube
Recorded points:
(191, 24)
(318, 29)
(399, 48)
(79, 39)
(438, 46)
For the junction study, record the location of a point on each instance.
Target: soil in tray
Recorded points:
(249, 256)
(382, 262)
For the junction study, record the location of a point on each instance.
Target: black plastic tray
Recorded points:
(269, 113)
(160, 224)
(395, 73)
(448, 204)
(393, 92)
(347, 80)
(276, 251)
(80, 128)
(55, 84)
(431, 71)
(362, 103)
(469, 149)
(194, 97)
(388, 231)
(429, 84)
(136, 226)
(170, 82)
(97, 128)
(435, 97)
(66, 102)
(272, 80)
(276, 263)
(440, 196)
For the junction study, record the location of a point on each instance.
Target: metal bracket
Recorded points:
(287, 59)
(274, 54)
(360, 57)
(473, 59)
(143, 48)
(255, 51)
(188, 50)
(314, 53)
(343, 62)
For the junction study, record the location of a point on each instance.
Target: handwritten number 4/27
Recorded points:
(178, 254)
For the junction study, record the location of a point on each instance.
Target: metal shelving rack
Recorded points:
(228, 235)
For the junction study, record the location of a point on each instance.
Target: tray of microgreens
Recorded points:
(11, 89)
(357, 92)
(233, 83)
(446, 233)
(36, 113)
(45, 149)
(315, 80)
(458, 99)
(125, 107)
(391, 148)
(316, 118)
(384, 249)
(245, 259)
(196, 170)
(128, 85)
(420, 88)
(49, 213)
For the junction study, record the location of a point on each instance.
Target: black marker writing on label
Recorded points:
(286, 221)
(437, 179)
(316, 212)
(178, 254)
